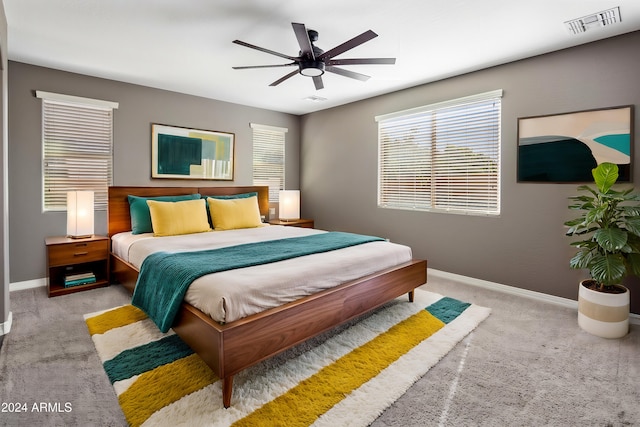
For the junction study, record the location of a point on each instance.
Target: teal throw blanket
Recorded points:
(165, 277)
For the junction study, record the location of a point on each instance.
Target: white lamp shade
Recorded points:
(79, 214)
(289, 204)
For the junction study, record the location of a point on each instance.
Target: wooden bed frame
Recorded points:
(227, 349)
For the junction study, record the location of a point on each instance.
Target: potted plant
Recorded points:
(609, 225)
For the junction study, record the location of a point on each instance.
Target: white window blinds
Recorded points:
(442, 157)
(77, 135)
(268, 158)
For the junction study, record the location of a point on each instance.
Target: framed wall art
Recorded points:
(179, 152)
(565, 147)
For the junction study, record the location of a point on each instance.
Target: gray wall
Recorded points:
(524, 247)
(139, 108)
(337, 151)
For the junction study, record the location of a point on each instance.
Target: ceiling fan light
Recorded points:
(312, 68)
(311, 72)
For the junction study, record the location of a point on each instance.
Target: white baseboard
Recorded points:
(552, 299)
(6, 326)
(20, 286)
(28, 284)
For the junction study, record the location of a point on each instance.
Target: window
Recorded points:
(443, 157)
(268, 158)
(77, 140)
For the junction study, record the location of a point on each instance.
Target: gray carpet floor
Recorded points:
(528, 364)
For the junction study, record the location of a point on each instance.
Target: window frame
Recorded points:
(78, 108)
(417, 173)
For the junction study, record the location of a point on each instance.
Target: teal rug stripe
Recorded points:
(146, 357)
(447, 309)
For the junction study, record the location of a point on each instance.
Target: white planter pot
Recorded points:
(603, 314)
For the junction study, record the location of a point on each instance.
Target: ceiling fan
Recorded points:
(313, 61)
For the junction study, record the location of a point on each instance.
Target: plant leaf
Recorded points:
(611, 239)
(587, 188)
(608, 270)
(605, 175)
(632, 225)
(581, 259)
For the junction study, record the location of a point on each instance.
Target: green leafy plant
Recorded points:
(609, 224)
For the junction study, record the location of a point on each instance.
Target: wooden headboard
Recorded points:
(119, 219)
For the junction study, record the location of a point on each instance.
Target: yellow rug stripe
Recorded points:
(164, 385)
(115, 318)
(331, 384)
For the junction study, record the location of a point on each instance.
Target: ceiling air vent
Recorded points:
(600, 19)
(315, 98)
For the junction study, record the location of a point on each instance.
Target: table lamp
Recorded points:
(79, 214)
(289, 205)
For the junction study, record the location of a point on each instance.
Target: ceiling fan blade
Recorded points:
(306, 50)
(281, 79)
(349, 44)
(360, 61)
(317, 80)
(347, 73)
(246, 67)
(262, 49)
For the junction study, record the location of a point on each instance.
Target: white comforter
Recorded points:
(234, 294)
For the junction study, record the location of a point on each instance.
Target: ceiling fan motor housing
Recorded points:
(313, 35)
(308, 65)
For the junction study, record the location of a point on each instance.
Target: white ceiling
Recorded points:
(186, 45)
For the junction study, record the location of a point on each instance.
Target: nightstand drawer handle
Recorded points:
(81, 253)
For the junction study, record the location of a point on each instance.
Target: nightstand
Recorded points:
(75, 265)
(303, 223)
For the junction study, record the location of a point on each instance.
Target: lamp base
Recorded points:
(86, 236)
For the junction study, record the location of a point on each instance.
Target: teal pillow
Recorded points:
(139, 210)
(236, 196)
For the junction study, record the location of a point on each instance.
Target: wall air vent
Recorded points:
(597, 20)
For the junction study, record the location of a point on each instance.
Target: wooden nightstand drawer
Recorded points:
(78, 252)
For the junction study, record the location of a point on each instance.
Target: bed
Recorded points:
(235, 344)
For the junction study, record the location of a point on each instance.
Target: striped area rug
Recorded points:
(346, 378)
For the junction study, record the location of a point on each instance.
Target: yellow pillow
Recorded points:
(229, 214)
(173, 218)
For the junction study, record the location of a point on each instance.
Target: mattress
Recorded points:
(234, 294)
